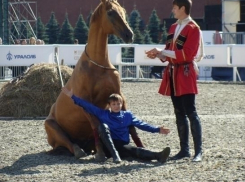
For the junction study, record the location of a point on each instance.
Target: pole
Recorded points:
(1, 19)
(59, 71)
(5, 23)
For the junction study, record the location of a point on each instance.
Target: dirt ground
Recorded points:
(221, 107)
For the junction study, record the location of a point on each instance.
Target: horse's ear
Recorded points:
(103, 1)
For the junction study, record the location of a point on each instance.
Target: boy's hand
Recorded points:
(69, 93)
(164, 130)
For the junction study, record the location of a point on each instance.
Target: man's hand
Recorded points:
(164, 130)
(69, 93)
(153, 53)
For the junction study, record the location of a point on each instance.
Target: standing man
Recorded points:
(184, 46)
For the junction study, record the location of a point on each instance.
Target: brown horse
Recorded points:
(94, 79)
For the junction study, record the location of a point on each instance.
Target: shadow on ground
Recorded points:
(25, 164)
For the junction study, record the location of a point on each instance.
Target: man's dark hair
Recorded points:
(186, 3)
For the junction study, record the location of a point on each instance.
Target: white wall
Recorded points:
(230, 15)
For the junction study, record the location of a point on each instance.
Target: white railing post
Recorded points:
(234, 73)
(120, 70)
(137, 71)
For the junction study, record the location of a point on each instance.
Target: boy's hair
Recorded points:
(115, 97)
(186, 3)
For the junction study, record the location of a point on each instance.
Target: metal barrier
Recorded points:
(9, 72)
(15, 59)
(233, 38)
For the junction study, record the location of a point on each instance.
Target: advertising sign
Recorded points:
(25, 55)
(71, 53)
(216, 56)
(238, 55)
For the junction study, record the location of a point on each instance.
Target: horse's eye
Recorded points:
(110, 13)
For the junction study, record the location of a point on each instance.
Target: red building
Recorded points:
(84, 7)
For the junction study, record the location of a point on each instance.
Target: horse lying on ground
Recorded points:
(94, 78)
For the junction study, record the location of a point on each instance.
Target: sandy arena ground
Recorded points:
(221, 107)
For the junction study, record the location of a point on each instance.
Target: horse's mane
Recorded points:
(97, 12)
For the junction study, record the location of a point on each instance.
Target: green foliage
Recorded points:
(25, 30)
(138, 37)
(164, 33)
(142, 25)
(52, 29)
(137, 25)
(134, 19)
(113, 39)
(66, 32)
(153, 27)
(147, 38)
(41, 30)
(81, 30)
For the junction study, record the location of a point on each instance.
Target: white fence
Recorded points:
(21, 56)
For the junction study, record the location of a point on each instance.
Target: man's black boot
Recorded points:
(105, 136)
(183, 131)
(196, 131)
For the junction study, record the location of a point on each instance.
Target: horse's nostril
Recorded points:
(129, 35)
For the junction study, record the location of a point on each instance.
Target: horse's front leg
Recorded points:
(132, 129)
(124, 106)
(57, 138)
(94, 122)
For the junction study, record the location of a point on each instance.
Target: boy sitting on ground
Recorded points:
(114, 129)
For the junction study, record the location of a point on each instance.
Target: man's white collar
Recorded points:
(184, 21)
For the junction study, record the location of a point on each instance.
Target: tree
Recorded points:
(134, 19)
(81, 30)
(138, 37)
(164, 33)
(52, 29)
(41, 30)
(142, 26)
(137, 25)
(153, 27)
(112, 39)
(147, 38)
(66, 35)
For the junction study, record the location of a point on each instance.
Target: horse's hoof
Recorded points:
(117, 160)
(100, 157)
(78, 152)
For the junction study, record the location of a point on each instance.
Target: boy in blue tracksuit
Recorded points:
(114, 129)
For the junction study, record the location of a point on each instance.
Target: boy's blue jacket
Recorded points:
(118, 122)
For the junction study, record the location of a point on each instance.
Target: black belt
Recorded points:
(172, 64)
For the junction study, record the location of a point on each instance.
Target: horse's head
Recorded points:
(113, 20)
